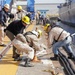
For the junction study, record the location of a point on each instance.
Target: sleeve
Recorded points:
(51, 38)
(22, 30)
(2, 19)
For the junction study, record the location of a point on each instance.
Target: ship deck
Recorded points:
(45, 67)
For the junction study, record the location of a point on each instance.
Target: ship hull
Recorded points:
(67, 13)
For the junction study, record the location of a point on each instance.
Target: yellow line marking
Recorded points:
(7, 65)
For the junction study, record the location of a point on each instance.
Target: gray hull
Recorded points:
(67, 13)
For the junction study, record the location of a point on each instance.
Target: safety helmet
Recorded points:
(39, 33)
(46, 26)
(7, 6)
(35, 32)
(19, 7)
(26, 19)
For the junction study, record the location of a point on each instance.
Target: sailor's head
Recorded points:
(6, 7)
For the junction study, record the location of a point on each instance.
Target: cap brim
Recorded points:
(7, 8)
(27, 22)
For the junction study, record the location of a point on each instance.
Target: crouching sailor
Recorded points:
(22, 46)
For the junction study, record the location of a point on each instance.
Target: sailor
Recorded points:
(4, 18)
(15, 28)
(14, 11)
(58, 37)
(32, 38)
(20, 13)
(22, 46)
(33, 41)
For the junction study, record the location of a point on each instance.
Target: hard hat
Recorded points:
(7, 6)
(40, 33)
(19, 7)
(46, 26)
(35, 32)
(26, 19)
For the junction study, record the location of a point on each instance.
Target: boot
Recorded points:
(27, 63)
(70, 56)
(55, 57)
(17, 57)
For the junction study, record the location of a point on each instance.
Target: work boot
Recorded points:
(55, 57)
(70, 56)
(16, 55)
(27, 63)
(18, 59)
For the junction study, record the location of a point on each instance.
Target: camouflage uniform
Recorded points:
(22, 46)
